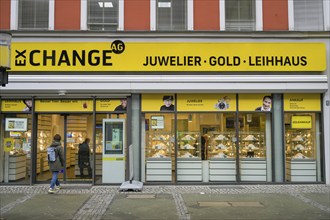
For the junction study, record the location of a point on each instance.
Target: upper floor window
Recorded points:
(103, 15)
(240, 15)
(308, 15)
(172, 15)
(33, 14)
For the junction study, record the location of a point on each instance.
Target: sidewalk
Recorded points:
(167, 202)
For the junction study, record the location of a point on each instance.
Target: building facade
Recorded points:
(168, 91)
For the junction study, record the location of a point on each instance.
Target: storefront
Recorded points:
(203, 113)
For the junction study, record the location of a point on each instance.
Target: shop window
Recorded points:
(159, 146)
(16, 142)
(254, 142)
(302, 147)
(171, 15)
(103, 15)
(33, 14)
(308, 15)
(240, 15)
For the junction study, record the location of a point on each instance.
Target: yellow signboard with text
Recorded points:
(64, 105)
(167, 56)
(16, 105)
(206, 102)
(302, 102)
(106, 105)
(301, 122)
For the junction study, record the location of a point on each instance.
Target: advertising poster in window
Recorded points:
(255, 102)
(64, 105)
(158, 102)
(8, 144)
(16, 124)
(157, 122)
(302, 102)
(206, 102)
(16, 105)
(106, 105)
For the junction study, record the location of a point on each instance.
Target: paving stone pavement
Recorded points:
(183, 202)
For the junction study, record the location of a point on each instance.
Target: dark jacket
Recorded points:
(83, 153)
(164, 108)
(120, 108)
(59, 163)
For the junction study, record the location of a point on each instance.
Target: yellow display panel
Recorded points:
(302, 102)
(118, 55)
(254, 102)
(15, 105)
(301, 122)
(4, 56)
(156, 102)
(206, 102)
(64, 105)
(106, 105)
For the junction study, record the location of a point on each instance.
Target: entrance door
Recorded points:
(74, 129)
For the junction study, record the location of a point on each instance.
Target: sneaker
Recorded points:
(51, 191)
(58, 187)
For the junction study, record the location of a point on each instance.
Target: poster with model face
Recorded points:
(16, 105)
(158, 102)
(255, 102)
(206, 102)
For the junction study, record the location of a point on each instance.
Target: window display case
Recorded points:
(221, 145)
(300, 144)
(221, 153)
(252, 145)
(159, 146)
(189, 145)
(300, 156)
(252, 149)
(189, 164)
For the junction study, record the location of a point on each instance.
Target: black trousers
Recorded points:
(83, 165)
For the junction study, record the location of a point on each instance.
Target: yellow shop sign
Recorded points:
(301, 122)
(118, 55)
(302, 102)
(63, 105)
(206, 102)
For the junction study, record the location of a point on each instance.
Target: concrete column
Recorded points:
(135, 138)
(278, 139)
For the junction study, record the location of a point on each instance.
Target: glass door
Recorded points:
(74, 129)
(47, 126)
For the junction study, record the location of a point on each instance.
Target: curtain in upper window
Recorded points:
(103, 15)
(33, 14)
(240, 15)
(308, 15)
(172, 15)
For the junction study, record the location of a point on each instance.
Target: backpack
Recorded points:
(51, 154)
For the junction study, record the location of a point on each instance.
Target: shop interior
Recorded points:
(204, 141)
(78, 127)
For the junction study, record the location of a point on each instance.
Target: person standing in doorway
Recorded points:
(55, 162)
(84, 158)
